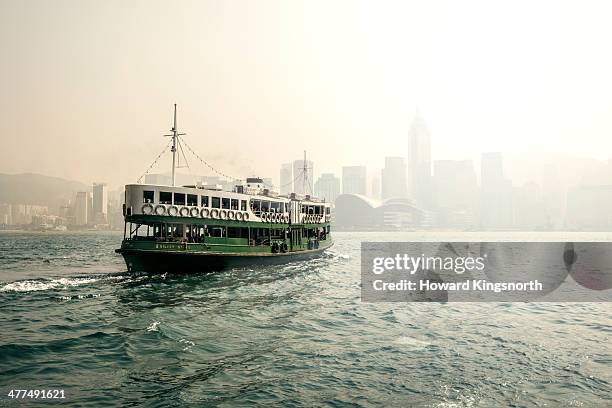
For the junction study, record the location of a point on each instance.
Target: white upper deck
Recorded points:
(201, 202)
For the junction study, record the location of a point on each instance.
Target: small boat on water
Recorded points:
(199, 228)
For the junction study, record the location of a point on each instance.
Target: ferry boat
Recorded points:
(200, 228)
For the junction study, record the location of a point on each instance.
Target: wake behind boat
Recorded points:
(198, 228)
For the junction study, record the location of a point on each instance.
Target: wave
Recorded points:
(38, 285)
(153, 327)
(76, 297)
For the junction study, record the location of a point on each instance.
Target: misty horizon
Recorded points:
(89, 87)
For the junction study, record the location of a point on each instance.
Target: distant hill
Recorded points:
(38, 189)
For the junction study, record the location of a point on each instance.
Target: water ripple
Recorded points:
(296, 335)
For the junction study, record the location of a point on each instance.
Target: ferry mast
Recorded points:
(175, 137)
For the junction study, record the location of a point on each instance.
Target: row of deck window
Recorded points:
(193, 200)
(315, 209)
(257, 206)
(199, 233)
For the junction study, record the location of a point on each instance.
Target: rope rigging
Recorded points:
(177, 142)
(154, 162)
(292, 181)
(186, 162)
(204, 162)
(181, 142)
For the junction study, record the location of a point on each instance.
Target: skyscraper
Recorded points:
(6, 214)
(100, 203)
(327, 187)
(354, 180)
(303, 185)
(286, 178)
(81, 206)
(419, 163)
(375, 184)
(393, 178)
(496, 194)
(456, 195)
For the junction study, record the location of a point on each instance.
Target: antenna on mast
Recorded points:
(175, 136)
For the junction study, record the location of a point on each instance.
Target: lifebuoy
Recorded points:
(284, 247)
(231, 215)
(246, 216)
(223, 214)
(239, 216)
(173, 211)
(194, 212)
(204, 213)
(214, 213)
(147, 209)
(160, 210)
(184, 211)
(263, 216)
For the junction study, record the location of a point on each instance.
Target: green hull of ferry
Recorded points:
(284, 243)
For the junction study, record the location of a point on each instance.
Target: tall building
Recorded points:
(529, 211)
(81, 207)
(100, 203)
(21, 214)
(327, 187)
(456, 193)
(586, 208)
(286, 178)
(393, 178)
(303, 185)
(496, 208)
(419, 163)
(354, 180)
(553, 196)
(6, 214)
(66, 211)
(375, 184)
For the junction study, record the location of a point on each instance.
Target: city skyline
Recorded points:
(371, 176)
(96, 86)
(461, 200)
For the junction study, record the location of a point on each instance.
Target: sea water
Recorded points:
(73, 319)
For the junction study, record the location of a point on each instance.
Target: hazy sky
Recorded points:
(88, 86)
